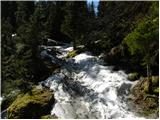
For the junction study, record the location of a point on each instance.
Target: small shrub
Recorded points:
(133, 76)
(155, 80)
(156, 90)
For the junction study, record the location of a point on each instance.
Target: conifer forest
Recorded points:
(79, 59)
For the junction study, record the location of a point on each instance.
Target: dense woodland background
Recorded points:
(125, 32)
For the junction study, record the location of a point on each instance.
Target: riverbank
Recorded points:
(85, 87)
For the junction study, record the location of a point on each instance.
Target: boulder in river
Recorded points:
(34, 104)
(146, 103)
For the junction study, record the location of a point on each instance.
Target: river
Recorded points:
(85, 87)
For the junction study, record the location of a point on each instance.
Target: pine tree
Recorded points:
(24, 11)
(91, 10)
(32, 38)
(26, 61)
(55, 19)
(117, 19)
(91, 26)
(74, 24)
(144, 38)
(8, 12)
(101, 9)
(7, 41)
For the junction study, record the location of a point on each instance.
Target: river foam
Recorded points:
(89, 90)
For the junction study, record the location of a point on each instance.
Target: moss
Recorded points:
(78, 50)
(147, 112)
(156, 90)
(146, 87)
(155, 80)
(72, 54)
(150, 104)
(31, 105)
(146, 103)
(133, 76)
(49, 117)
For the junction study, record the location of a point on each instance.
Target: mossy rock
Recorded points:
(146, 103)
(78, 50)
(31, 105)
(72, 54)
(49, 117)
(115, 50)
(150, 113)
(150, 103)
(146, 87)
(154, 85)
(133, 76)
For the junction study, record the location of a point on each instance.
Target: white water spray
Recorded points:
(91, 89)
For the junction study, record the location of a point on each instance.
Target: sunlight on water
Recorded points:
(91, 90)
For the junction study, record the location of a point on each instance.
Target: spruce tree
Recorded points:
(24, 11)
(91, 10)
(55, 19)
(101, 9)
(8, 12)
(74, 25)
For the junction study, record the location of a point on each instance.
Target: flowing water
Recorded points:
(85, 88)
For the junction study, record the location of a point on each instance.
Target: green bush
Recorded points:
(144, 40)
(155, 80)
(156, 90)
(133, 76)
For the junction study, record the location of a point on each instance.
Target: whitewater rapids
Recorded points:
(89, 89)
